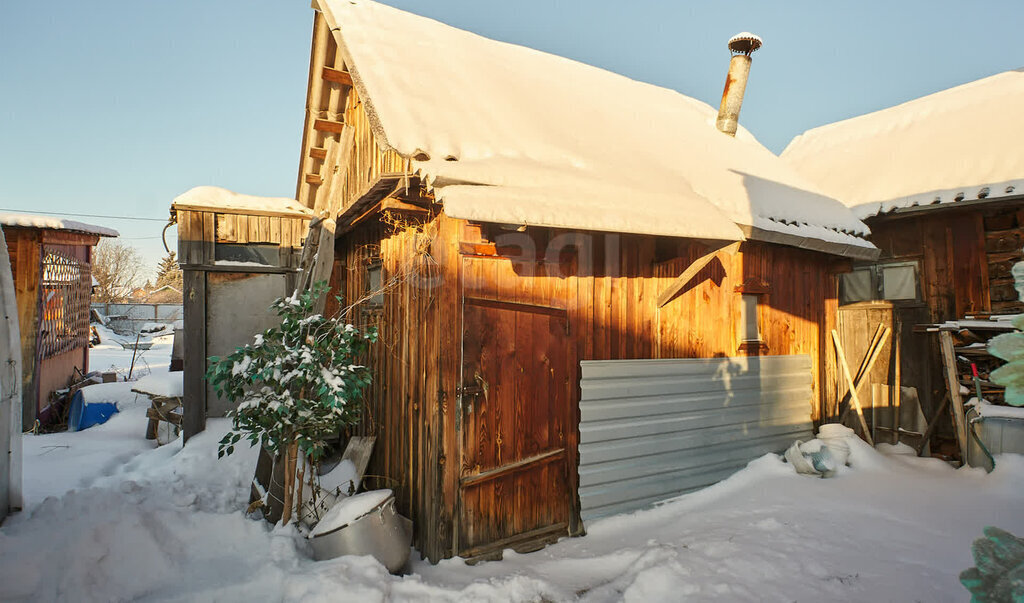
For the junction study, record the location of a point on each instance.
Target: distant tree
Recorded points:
(168, 272)
(116, 267)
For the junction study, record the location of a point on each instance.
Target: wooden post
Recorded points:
(953, 385)
(194, 399)
(932, 424)
(898, 382)
(841, 357)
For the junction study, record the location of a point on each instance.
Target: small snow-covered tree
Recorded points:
(295, 385)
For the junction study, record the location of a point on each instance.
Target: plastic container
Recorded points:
(836, 436)
(83, 415)
(365, 524)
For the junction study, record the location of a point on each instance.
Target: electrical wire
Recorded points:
(61, 213)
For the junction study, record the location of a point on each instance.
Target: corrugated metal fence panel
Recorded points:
(654, 429)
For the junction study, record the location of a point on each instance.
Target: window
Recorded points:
(749, 330)
(375, 285)
(753, 293)
(251, 253)
(892, 281)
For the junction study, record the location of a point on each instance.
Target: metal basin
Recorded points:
(382, 533)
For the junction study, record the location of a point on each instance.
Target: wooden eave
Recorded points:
(374, 198)
(59, 236)
(754, 233)
(967, 204)
(216, 209)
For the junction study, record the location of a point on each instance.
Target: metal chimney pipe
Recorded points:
(742, 45)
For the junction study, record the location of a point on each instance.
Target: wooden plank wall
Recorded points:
(610, 299)
(369, 161)
(200, 231)
(612, 307)
(402, 407)
(24, 247)
(965, 256)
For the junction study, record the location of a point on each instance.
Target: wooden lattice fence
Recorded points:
(64, 301)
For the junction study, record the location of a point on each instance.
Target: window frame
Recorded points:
(877, 283)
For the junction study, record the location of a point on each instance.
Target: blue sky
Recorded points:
(115, 107)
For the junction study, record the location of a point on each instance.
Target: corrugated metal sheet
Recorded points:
(654, 429)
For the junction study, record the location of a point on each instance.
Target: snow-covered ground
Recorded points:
(111, 517)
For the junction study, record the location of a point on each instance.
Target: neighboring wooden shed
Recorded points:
(940, 181)
(501, 226)
(237, 253)
(51, 260)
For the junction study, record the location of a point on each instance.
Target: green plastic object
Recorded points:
(998, 575)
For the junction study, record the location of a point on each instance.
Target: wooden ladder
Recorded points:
(317, 257)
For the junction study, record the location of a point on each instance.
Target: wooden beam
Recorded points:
(511, 467)
(692, 270)
(841, 361)
(392, 204)
(374, 209)
(318, 153)
(326, 125)
(953, 385)
(243, 211)
(328, 203)
(314, 179)
(336, 75)
(881, 335)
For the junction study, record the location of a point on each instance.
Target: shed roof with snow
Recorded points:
(52, 223)
(222, 200)
(960, 144)
(508, 134)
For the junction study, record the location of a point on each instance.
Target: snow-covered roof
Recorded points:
(52, 223)
(963, 143)
(217, 199)
(512, 135)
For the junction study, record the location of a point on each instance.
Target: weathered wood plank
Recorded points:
(336, 76)
(326, 125)
(953, 387)
(845, 370)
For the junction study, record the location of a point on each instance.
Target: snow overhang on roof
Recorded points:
(221, 200)
(52, 223)
(963, 144)
(547, 141)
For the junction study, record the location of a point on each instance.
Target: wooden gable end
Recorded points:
(332, 103)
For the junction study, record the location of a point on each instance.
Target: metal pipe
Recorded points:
(741, 46)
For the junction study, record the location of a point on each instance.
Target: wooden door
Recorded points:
(513, 422)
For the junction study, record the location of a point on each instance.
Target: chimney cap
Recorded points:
(744, 43)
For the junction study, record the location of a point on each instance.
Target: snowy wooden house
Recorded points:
(51, 264)
(940, 181)
(589, 297)
(238, 253)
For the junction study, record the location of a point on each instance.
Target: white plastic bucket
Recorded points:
(836, 438)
